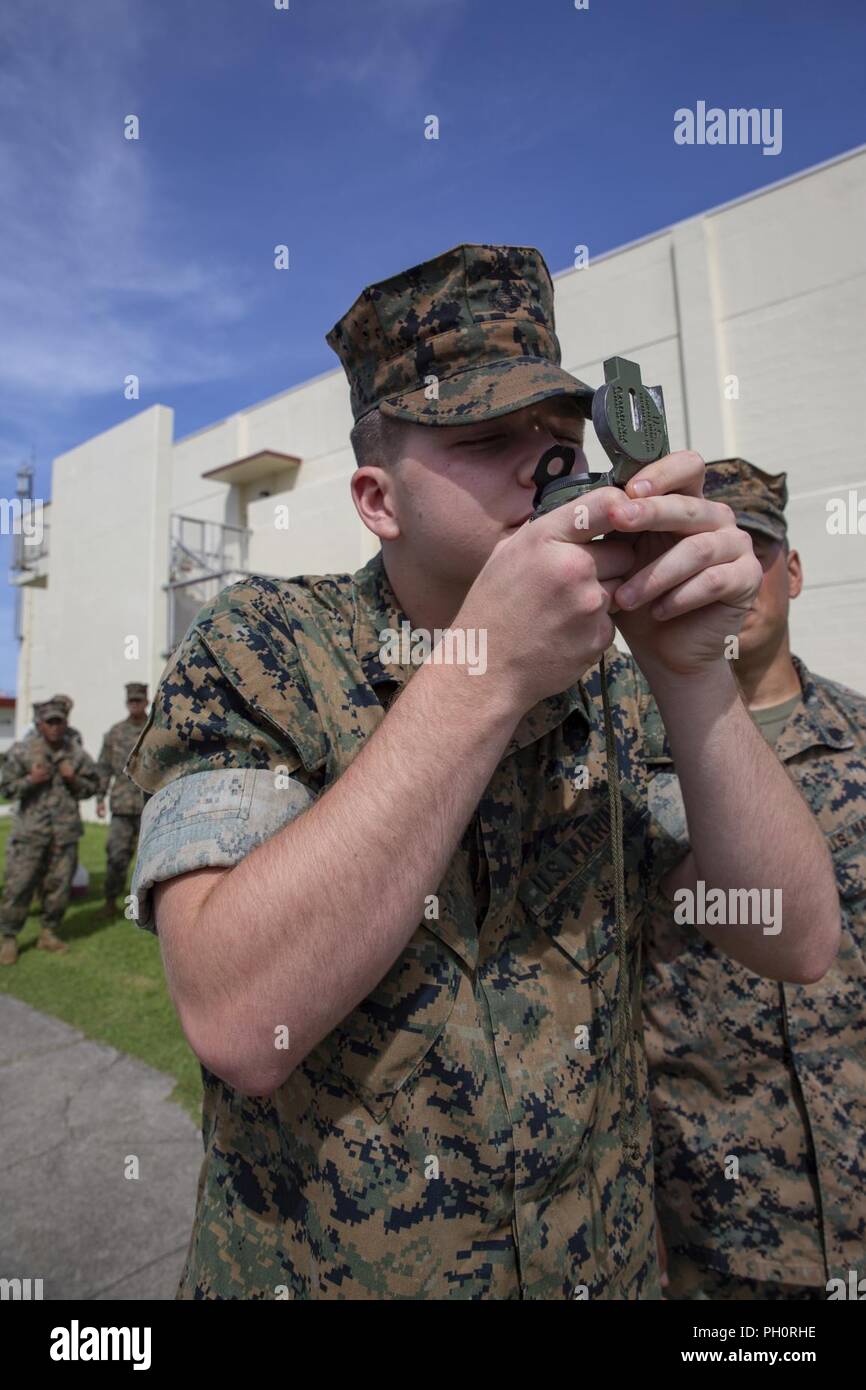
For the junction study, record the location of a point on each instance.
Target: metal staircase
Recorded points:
(204, 557)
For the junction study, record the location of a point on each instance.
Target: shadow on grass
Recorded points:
(88, 920)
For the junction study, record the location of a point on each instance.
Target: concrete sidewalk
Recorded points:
(71, 1111)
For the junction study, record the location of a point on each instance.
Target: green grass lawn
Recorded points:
(110, 983)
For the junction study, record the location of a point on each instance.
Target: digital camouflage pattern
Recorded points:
(689, 1281)
(467, 336)
(457, 1135)
(42, 848)
(48, 810)
(120, 849)
(756, 498)
(126, 803)
(32, 865)
(126, 799)
(774, 1074)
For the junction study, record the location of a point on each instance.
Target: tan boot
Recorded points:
(8, 951)
(49, 942)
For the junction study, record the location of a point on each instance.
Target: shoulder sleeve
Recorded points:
(233, 746)
(234, 695)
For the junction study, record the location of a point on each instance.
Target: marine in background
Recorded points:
(126, 801)
(48, 772)
(758, 1088)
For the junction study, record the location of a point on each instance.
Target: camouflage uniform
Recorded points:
(472, 1129)
(772, 1074)
(42, 850)
(469, 1051)
(126, 801)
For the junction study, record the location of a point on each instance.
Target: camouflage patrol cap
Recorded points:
(757, 499)
(64, 701)
(49, 709)
(136, 691)
(466, 336)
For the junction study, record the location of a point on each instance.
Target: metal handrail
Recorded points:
(199, 521)
(203, 578)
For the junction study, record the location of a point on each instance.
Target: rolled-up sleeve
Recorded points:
(232, 749)
(210, 820)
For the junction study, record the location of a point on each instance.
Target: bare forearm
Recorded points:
(749, 828)
(307, 925)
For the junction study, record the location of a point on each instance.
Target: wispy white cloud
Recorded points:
(386, 49)
(90, 287)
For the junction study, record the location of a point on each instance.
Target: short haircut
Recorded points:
(762, 535)
(377, 439)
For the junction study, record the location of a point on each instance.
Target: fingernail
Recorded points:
(629, 510)
(625, 597)
(642, 488)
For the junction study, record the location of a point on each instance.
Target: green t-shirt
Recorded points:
(771, 721)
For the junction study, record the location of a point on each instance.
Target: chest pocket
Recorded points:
(848, 847)
(379, 1046)
(572, 893)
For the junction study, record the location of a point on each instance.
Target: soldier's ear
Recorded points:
(795, 573)
(372, 491)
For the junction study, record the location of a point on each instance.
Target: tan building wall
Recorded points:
(99, 620)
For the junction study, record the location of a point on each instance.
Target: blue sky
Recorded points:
(306, 127)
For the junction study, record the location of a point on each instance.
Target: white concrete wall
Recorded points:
(324, 535)
(108, 561)
(193, 495)
(312, 423)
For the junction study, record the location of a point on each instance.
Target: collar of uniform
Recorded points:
(377, 610)
(549, 714)
(815, 723)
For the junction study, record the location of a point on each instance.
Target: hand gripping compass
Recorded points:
(629, 419)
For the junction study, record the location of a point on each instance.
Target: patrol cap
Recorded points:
(136, 691)
(49, 709)
(478, 320)
(756, 498)
(64, 701)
